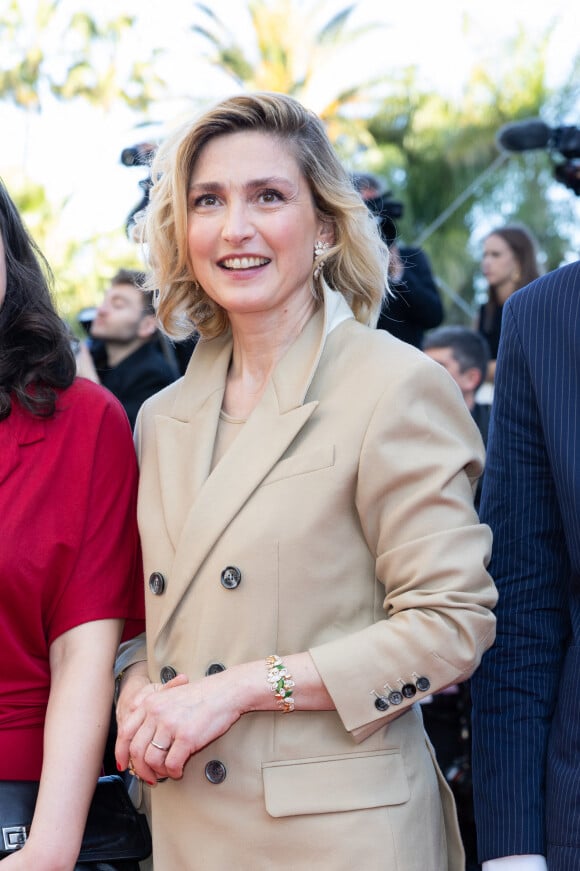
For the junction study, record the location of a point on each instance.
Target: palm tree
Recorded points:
(442, 161)
(89, 55)
(296, 51)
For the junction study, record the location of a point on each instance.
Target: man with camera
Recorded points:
(416, 305)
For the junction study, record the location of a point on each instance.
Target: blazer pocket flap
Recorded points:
(335, 783)
(300, 464)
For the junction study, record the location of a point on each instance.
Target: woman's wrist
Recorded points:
(137, 670)
(280, 682)
(251, 689)
(36, 854)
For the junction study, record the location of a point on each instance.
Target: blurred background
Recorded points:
(414, 93)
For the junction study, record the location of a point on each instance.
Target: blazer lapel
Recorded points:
(214, 499)
(185, 439)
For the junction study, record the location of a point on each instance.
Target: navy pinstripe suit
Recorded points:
(526, 693)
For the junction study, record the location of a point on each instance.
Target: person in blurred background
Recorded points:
(509, 261)
(464, 353)
(127, 354)
(526, 713)
(415, 303)
(70, 562)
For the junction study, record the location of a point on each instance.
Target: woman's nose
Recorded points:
(237, 222)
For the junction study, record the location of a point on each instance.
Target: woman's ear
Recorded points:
(326, 232)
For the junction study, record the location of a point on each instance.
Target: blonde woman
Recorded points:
(314, 563)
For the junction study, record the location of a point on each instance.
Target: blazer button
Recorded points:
(167, 673)
(215, 771)
(423, 684)
(231, 577)
(408, 690)
(156, 583)
(381, 703)
(395, 697)
(214, 668)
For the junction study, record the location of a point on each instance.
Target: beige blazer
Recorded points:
(340, 521)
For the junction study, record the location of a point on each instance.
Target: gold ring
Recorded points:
(159, 746)
(132, 769)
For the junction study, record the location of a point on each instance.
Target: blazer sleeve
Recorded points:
(514, 690)
(419, 463)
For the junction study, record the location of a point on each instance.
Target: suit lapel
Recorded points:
(186, 437)
(209, 502)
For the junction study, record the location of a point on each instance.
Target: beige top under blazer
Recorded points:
(344, 508)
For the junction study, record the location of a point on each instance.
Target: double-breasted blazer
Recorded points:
(340, 521)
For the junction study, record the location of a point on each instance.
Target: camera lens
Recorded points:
(130, 156)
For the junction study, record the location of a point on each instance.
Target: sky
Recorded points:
(76, 154)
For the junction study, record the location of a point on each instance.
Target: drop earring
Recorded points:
(319, 249)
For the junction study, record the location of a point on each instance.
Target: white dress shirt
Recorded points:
(516, 863)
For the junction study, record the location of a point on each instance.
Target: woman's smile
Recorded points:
(243, 263)
(252, 225)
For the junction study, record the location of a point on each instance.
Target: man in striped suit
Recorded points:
(526, 693)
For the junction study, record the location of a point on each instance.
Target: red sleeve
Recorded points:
(107, 577)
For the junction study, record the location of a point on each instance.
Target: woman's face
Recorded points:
(2, 272)
(500, 266)
(252, 226)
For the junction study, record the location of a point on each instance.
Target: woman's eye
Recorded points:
(204, 200)
(270, 196)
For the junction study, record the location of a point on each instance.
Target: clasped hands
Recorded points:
(161, 725)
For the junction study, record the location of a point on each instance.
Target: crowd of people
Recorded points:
(278, 558)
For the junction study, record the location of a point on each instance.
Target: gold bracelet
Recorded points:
(281, 683)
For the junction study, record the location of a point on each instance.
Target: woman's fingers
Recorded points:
(132, 709)
(129, 719)
(178, 681)
(171, 723)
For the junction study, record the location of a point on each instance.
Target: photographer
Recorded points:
(415, 305)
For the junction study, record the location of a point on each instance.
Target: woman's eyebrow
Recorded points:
(253, 183)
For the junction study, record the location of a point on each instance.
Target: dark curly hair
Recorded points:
(36, 358)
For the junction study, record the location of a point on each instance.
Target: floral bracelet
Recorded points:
(281, 683)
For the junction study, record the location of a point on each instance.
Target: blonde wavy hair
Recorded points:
(355, 265)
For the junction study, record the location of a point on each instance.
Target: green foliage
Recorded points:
(292, 46)
(442, 161)
(88, 64)
(69, 57)
(81, 269)
(439, 156)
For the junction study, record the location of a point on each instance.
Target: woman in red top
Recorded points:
(70, 571)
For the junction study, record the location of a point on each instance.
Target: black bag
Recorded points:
(116, 836)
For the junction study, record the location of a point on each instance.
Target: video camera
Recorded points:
(386, 211)
(534, 134)
(140, 154)
(380, 203)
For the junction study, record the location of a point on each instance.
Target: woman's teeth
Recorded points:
(244, 262)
